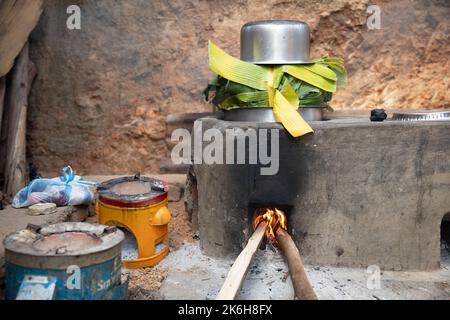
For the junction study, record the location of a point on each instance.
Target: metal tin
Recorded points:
(57, 252)
(275, 42)
(265, 114)
(422, 116)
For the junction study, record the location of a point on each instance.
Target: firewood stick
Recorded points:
(238, 271)
(302, 287)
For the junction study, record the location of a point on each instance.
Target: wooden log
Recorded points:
(238, 271)
(2, 155)
(2, 100)
(15, 169)
(302, 287)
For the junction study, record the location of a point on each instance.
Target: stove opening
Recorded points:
(256, 210)
(445, 241)
(129, 245)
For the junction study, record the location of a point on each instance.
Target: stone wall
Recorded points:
(103, 92)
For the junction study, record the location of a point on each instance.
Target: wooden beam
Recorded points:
(2, 154)
(302, 287)
(238, 271)
(15, 169)
(2, 99)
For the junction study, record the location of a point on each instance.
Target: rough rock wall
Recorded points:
(103, 92)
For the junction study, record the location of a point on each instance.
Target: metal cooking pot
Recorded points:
(275, 42)
(265, 114)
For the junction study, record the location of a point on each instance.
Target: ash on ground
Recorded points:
(129, 246)
(192, 275)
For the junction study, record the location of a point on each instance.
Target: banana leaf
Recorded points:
(242, 84)
(232, 95)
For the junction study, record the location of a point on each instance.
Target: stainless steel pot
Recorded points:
(265, 114)
(275, 42)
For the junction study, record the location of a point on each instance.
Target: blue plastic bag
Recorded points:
(68, 189)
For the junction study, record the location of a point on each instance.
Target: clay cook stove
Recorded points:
(356, 193)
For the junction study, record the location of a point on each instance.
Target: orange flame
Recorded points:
(275, 219)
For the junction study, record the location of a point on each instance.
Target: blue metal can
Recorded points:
(66, 261)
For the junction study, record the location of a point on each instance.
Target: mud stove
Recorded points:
(356, 193)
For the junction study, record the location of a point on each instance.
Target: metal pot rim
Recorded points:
(265, 114)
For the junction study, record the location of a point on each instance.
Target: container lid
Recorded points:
(133, 191)
(64, 239)
(275, 42)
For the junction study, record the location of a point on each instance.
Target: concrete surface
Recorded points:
(357, 193)
(192, 275)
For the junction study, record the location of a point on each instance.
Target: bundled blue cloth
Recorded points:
(68, 189)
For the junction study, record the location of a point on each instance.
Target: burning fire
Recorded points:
(275, 219)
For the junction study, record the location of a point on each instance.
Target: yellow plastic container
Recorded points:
(145, 215)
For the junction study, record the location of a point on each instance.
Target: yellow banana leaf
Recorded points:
(322, 71)
(288, 115)
(237, 70)
(288, 92)
(267, 79)
(302, 73)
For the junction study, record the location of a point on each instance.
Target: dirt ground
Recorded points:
(180, 229)
(145, 283)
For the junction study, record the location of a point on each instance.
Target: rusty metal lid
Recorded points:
(64, 239)
(135, 191)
